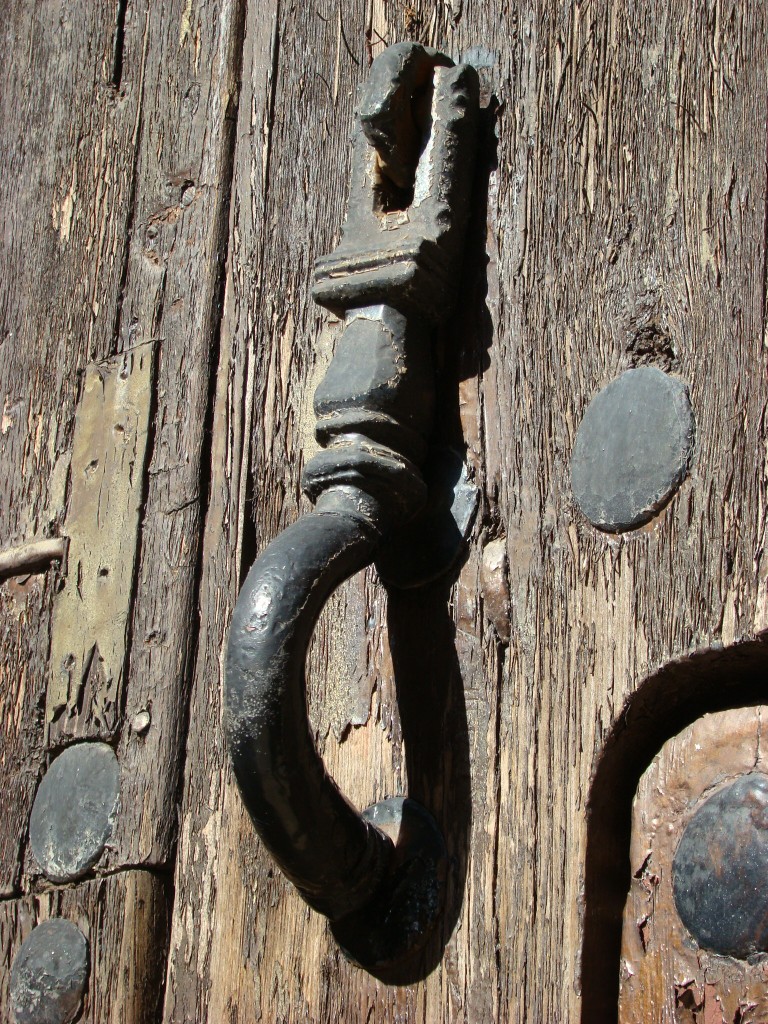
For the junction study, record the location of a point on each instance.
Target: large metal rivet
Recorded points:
(633, 448)
(720, 870)
(74, 810)
(49, 974)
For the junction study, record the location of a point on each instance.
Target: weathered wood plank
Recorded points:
(23, 678)
(174, 211)
(206, 865)
(625, 225)
(175, 71)
(173, 294)
(67, 147)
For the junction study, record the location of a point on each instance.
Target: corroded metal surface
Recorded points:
(49, 974)
(667, 975)
(720, 870)
(410, 896)
(74, 810)
(404, 249)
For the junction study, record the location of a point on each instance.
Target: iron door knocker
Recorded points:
(393, 278)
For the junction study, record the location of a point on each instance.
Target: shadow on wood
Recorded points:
(433, 718)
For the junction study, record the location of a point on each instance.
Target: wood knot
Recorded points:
(649, 344)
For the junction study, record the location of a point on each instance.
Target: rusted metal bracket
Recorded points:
(393, 279)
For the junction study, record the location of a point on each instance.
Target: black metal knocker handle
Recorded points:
(376, 875)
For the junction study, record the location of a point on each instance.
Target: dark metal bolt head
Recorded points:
(49, 974)
(633, 448)
(720, 870)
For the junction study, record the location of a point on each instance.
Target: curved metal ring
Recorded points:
(379, 875)
(321, 843)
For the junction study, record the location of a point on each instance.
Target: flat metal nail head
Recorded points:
(74, 810)
(633, 448)
(49, 974)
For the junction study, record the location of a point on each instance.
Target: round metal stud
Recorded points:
(720, 870)
(49, 974)
(74, 810)
(633, 448)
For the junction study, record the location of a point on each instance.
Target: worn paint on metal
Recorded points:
(720, 870)
(49, 974)
(74, 810)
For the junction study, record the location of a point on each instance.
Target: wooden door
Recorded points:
(171, 170)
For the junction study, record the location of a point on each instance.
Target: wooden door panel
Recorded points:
(114, 206)
(610, 244)
(64, 242)
(620, 221)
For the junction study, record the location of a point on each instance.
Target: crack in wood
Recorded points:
(118, 44)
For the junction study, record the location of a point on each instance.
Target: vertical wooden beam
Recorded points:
(122, 258)
(67, 146)
(172, 297)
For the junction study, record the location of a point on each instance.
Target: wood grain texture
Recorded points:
(23, 678)
(179, 195)
(67, 153)
(625, 224)
(117, 121)
(666, 977)
(172, 295)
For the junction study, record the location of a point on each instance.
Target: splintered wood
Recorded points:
(116, 148)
